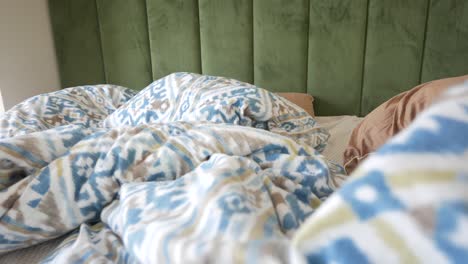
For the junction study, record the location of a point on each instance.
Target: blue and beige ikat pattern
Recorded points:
(189, 169)
(207, 169)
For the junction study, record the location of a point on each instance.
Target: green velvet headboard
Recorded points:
(351, 55)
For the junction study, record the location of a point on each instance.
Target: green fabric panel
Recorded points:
(77, 42)
(337, 31)
(350, 55)
(395, 40)
(446, 50)
(226, 35)
(174, 36)
(125, 43)
(280, 44)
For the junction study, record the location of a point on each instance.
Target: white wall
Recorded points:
(27, 58)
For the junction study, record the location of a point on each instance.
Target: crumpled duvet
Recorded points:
(207, 169)
(190, 168)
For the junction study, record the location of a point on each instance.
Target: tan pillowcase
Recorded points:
(391, 117)
(303, 100)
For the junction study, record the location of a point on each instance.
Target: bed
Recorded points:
(339, 127)
(351, 56)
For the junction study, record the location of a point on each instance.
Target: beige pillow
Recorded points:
(391, 117)
(303, 100)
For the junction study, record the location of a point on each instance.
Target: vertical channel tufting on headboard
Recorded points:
(174, 31)
(446, 46)
(337, 36)
(226, 37)
(351, 55)
(280, 44)
(125, 42)
(395, 40)
(77, 42)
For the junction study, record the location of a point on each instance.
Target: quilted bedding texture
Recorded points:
(190, 166)
(207, 169)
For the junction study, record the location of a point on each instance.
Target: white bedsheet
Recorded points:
(340, 128)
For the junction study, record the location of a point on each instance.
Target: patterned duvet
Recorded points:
(206, 169)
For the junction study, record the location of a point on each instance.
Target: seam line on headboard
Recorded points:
(100, 42)
(149, 41)
(199, 36)
(308, 39)
(423, 53)
(253, 42)
(364, 58)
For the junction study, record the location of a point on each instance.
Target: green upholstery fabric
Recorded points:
(395, 37)
(446, 51)
(337, 34)
(125, 45)
(77, 41)
(351, 55)
(226, 38)
(280, 44)
(174, 36)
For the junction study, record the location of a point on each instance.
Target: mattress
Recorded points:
(340, 128)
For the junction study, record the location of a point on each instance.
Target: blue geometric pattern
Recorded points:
(406, 203)
(84, 106)
(190, 166)
(452, 222)
(370, 196)
(183, 172)
(341, 251)
(201, 98)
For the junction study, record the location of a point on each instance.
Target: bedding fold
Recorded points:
(188, 165)
(207, 169)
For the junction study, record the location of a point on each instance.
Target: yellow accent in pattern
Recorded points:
(257, 231)
(393, 240)
(410, 178)
(315, 225)
(97, 226)
(291, 144)
(59, 167)
(181, 148)
(239, 256)
(156, 145)
(315, 202)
